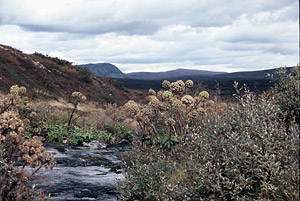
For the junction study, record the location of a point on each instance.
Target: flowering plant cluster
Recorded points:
(170, 111)
(15, 148)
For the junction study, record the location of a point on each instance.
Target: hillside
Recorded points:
(53, 78)
(104, 70)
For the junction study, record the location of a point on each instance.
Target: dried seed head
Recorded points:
(189, 83)
(177, 104)
(167, 96)
(203, 95)
(174, 87)
(193, 114)
(187, 100)
(151, 92)
(154, 102)
(166, 84)
(200, 110)
(14, 90)
(22, 90)
(209, 103)
(132, 107)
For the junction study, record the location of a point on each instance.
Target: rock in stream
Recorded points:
(82, 173)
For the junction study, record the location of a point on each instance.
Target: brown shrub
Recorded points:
(14, 148)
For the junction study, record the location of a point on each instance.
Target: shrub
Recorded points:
(287, 93)
(117, 84)
(54, 59)
(119, 131)
(246, 152)
(16, 149)
(84, 74)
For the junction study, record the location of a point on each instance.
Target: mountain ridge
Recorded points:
(110, 70)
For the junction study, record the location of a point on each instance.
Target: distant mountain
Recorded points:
(110, 70)
(249, 75)
(172, 74)
(104, 70)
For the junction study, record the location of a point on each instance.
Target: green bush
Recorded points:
(84, 74)
(287, 93)
(117, 84)
(56, 133)
(119, 131)
(54, 59)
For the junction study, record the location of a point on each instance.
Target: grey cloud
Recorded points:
(282, 50)
(249, 38)
(141, 20)
(238, 33)
(127, 28)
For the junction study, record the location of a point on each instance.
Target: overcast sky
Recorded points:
(157, 35)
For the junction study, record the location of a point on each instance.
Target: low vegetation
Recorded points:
(187, 144)
(248, 150)
(78, 121)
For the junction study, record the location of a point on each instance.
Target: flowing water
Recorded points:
(82, 173)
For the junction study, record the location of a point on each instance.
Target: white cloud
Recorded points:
(156, 35)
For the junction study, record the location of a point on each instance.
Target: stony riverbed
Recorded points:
(82, 173)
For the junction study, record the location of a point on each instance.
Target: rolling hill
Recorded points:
(53, 78)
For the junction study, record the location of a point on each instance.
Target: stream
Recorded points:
(82, 173)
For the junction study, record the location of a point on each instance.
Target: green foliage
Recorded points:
(56, 133)
(287, 93)
(167, 141)
(117, 84)
(84, 74)
(146, 174)
(107, 138)
(120, 131)
(77, 135)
